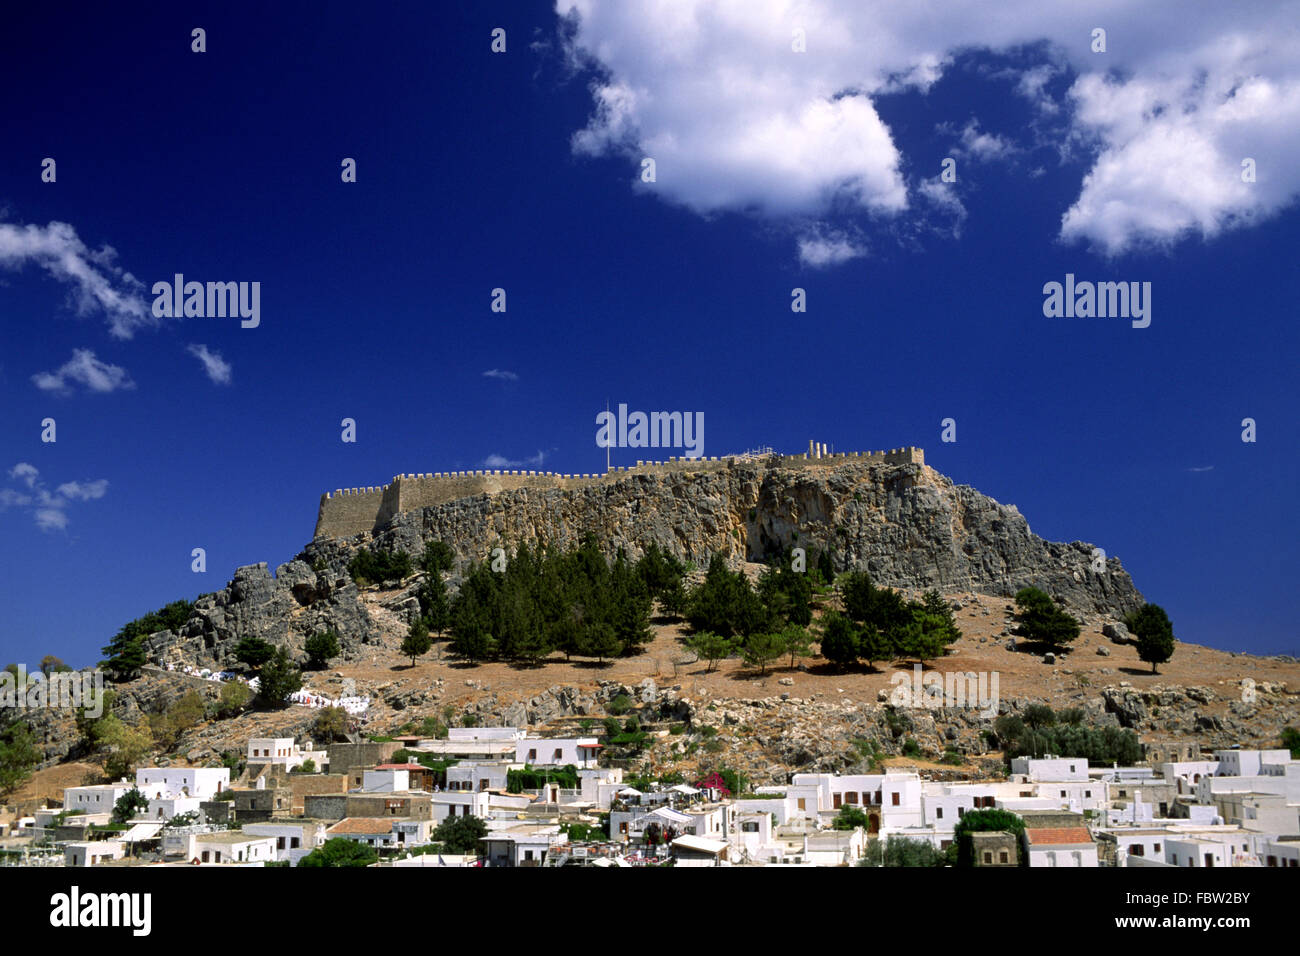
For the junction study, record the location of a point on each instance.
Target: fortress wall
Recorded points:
(347, 512)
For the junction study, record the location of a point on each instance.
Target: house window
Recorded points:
(801, 804)
(294, 843)
(559, 754)
(851, 797)
(528, 854)
(835, 800)
(749, 827)
(1087, 793)
(1156, 848)
(532, 754)
(279, 843)
(1002, 857)
(961, 812)
(893, 798)
(938, 813)
(1137, 850)
(988, 857)
(622, 827)
(1062, 793)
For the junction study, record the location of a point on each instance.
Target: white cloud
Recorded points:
(984, 146)
(820, 248)
(217, 368)
(501, 461)
(25, 473)
(1201, 468)
(51, 519)
(49, 509)
(97, 283)
(87, 370)
(1171, 154)
(737, 121)
(502, 374)
(83, 490)
(944, 199)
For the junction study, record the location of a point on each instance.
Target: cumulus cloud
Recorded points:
(25, 473)
(943, 198)
(501, 461)
(501, 374)
(736, 120)
(96, 283)
(217, 368)
(83, 490)
(86, 370)
(49, 509)
(820, 248)
(984, 146)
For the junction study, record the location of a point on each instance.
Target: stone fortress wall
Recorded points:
(350, 511)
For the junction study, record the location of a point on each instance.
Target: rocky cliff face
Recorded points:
(908, 525)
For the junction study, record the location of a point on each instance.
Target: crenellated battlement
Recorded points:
(349, 511)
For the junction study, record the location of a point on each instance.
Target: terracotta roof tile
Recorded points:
(1058, 835)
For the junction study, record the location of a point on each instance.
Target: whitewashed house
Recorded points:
(1186, 775)
(386, 781)
(451, 803)
(284, 752)
(1060, 847)
(710, 820)
(835, 847)
(600, 784)
(99, 798)
(890, 801)
(752, 834)
(92, 853)
(164, 783)
(376, 832)
(1248, 763)
(480, 774)
(521, 845)
(580, 752)
(293, 841)
(232, 846)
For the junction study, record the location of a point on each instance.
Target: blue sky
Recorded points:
(775, 170)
